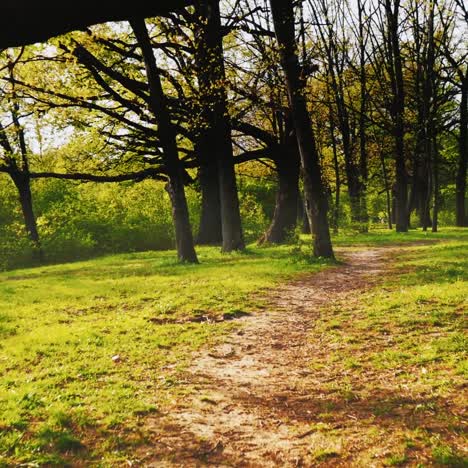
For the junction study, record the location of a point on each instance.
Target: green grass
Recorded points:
(397, 353)
(381, 236)
(445, 455)
(61, 325)
(64, 398)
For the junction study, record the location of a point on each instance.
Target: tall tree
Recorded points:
(14, 157)
(167, 136)
(329, 20)
(461, 213)
(362, 37)
(212, 82)
(316, 200)
(457, 59)
(394, 63)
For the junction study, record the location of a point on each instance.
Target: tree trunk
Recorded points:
(209, 231)
(302, 218)
(352, 176)
(211, 76)
(435, 209)
(423, 195)
(305, 218)
(388, 191)
(395, 68)
(420, 195)
(23, 185)
(363, 166)
(461, 216)
(336, 167)
(394, 203)
(316, 201)
(426, 201)
(287, 196)
(430, 109)
(167, 135)
(401, 215)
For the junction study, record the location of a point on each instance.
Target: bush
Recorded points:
(76, 221)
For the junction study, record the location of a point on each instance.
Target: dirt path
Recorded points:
(253, 405)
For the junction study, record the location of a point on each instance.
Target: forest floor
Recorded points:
(315, 380)
(255, 359)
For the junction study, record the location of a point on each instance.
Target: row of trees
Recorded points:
(371, 96)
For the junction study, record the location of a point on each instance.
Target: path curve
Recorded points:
(251, 405)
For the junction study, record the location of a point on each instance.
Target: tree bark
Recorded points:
(302, 218)
(167, 135)
(419, 199)
(461, 216)
(19, 172)
(211, 76)
(363, 166)
(388, 191)
(287, 195)
(429, 106)
(23, 185)
(435, 209)
(316, 201)
(336, 167)
(209, 231)
(397, 111)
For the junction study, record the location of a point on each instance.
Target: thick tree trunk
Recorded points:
(461, 216)
(430, 110)
(167, 136)
(435, 208)
(401, 187)
(209, 231)
(287, 196)
(211, 76)
(395, 67)
(180, 216)
(316, 201)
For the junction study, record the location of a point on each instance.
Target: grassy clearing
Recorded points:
(393, 360)
(87, 349)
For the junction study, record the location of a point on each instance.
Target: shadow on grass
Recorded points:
(429, 418)
(162, 264)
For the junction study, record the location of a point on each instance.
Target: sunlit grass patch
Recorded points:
(383, 236)
(89, 349)
(395, 358)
